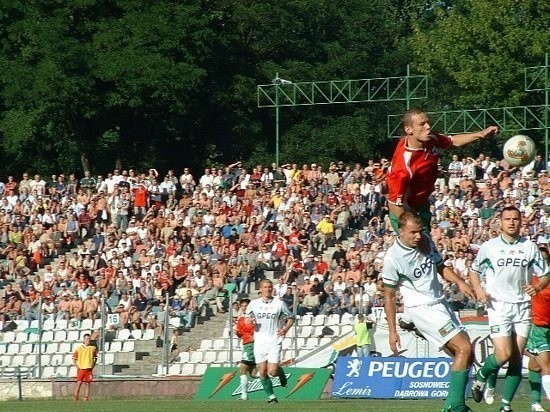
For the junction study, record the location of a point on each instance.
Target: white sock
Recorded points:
(545, 382)
(244, 386)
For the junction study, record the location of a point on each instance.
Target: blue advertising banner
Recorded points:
(392, 378)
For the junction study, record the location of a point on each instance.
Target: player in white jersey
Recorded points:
(414, 271)
(273, 319)
(508, 263)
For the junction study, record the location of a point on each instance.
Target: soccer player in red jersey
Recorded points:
(413, 169)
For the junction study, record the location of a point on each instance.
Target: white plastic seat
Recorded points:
(109, 358)
(30, 360)
(73, 335)
(317, 331)
(305, 332)
(123, 334)
(72, 372)
(87, 324)
(97, 324)
(148, 334)
(44, 359)
(13, 349)
(136, 334)
(68, 359)
(305, 320)
(312, 342)
(21, 324)
(34, 324)
(25, 348)
(48, 372)
(57, 359)
(49, 324)
(52, 348)
(65, 347)
(287, 342)
(17, 360)
(62, 325)
(183, 357)
(9, 337)
(209, 357)
(345, 329)
(336, 329)
(128, 346)
(318, 320)
(225, 333)
(62, 371)
(187, 369)
(196, 357)
(200, 369)
(32, 337)
(60, 336)
(21, 336)
(324, 341)
(206, 344)
(47, 336)
(175, 322)
(291, 332)
(333, 319)
(115, 347)
(219, 343)
(347, 319)
(222, 357)
(174, 369)
(4, 348)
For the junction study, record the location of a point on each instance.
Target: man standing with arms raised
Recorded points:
(414, 271)
(269, 313)
(508, 263)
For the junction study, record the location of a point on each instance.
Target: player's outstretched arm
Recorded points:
(481, 295)
(466, 138)
(532, 290)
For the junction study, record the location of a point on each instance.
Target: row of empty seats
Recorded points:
(72, 335)
(58, 359)
(61, 324)
(61, 347)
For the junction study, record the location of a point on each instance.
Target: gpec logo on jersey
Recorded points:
(424, 267)
(354, 368)
(514, 262)
(264, 315)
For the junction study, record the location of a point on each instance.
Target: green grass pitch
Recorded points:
(171, 405)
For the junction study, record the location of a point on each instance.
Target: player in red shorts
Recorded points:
(85, 358)
(413, 169)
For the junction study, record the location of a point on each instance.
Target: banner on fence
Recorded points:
(224, 383)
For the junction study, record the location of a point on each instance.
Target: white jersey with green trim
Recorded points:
(508, 267)
(269, 316)
(414, 272)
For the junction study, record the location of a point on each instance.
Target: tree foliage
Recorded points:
(168, 83)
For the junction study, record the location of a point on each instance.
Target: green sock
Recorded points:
(511, 384)
(492, 380)
(457, 388)
(534, 381)
(490, 367)
(267, 385)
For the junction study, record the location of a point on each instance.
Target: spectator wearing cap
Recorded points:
(332, 304)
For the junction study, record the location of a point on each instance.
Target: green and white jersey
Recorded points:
(269, 316)
(415, 273)
(508, 267)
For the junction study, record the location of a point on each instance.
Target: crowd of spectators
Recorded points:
(135, 238)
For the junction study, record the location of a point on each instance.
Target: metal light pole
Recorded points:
(284, 93)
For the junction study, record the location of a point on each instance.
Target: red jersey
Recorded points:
(140, 196)
(245, 329)
(541, 306)
(413, 172)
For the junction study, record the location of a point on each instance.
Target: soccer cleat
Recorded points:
(283, 379)
(86, 399)
(477, 390)
(75, 398)
(272, 400)
(537, 407)
(489, 395)
(463, 408)
(506, 408)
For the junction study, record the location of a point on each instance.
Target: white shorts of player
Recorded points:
(505, 318)
(270, 353)
(437, 322)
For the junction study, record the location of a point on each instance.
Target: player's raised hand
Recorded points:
(489, 132)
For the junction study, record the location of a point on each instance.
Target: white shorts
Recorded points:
(437, 322)
(505, 318)
(268, 352)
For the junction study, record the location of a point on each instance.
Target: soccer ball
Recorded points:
(519, 150)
